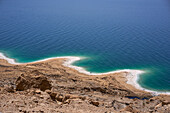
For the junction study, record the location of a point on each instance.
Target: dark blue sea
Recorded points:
(112, 34)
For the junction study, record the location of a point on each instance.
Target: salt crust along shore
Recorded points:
(132, 76)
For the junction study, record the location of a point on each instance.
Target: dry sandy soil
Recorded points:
(50, 87)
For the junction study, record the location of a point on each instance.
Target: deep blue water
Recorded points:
(113, 34)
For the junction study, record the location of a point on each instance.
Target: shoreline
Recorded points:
(132, 75)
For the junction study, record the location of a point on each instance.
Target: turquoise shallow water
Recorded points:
(113, 34)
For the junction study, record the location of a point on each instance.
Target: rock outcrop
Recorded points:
(25, 82)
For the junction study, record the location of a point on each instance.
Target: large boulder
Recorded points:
(35, 80)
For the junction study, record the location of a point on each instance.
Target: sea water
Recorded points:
(111, 34)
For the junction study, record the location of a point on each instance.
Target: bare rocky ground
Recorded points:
(49, 87)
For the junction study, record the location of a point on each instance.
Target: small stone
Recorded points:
(165, 103)
(41, 96)
(59, 98)
(53, 96)
(59, 103)
(95, 103)
(9, 89)
(38, 92)
(67, 101)
(48, 91)
(159, 105)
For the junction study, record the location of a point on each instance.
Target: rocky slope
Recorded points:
(49, 87)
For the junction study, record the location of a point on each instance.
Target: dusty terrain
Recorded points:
(50, 87)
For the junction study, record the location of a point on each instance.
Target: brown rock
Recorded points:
(9, 89)
(38, 92)
(67, 101)
(48, 91)
(129, 109)
(165, 103)
(53, 96)
(66, 97)
(59, 98)
(95, 103)
(37, 81)
(159, 105)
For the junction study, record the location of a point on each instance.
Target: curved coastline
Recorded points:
(132, 76)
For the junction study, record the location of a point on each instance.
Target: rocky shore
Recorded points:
(50, 87)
